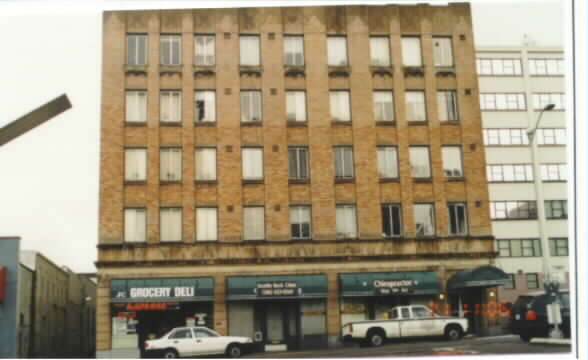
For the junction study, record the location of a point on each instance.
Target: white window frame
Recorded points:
(346, 221)
(251, 106)
(410, 44)
(174, 40)
(170, 164)
(388, 162)
(204, 53)
(384, 106)
(136, 106)
(250, 171)
(447, 105)
(209, 231)
(296, 105)
(419, 171)
(205, 155)
(380, 51)
(135, 220)
(248, 56)
(139, 60)
(546, 67)
(298, 152)
(551, 136)
(294, 50)
(297, 215)
(509, 172)
(502, 101)
(554, 172)
(340, 105)
(449, 154)
(336, 45)
(208, 98)
(135, 164)
(170, 111)
(173, 233)
(499, 67)
(416, 105)
(250, 234)
(540, 100)
(443, 51)
(343, 153)
(508, 137)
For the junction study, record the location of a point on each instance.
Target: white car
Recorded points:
(196, 341)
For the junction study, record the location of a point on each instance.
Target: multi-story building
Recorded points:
(276, 172)
(515, 84)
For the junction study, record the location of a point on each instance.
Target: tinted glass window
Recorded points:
(420, 312)
(182, 334)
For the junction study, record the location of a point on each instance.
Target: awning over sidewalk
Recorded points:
(260, 287)
(483, 276)
(389, 283)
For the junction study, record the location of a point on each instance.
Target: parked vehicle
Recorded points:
(529, 315)
(405, 321)
(196, 341)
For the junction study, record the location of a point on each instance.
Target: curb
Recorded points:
(550, 341)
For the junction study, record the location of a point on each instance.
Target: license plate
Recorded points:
(517, 316)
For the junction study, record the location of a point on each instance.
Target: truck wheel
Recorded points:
(170, 354)
(453, 332)
(234, 351)
(376, 337)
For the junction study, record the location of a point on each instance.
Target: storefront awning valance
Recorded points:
(389, 283)
(483, 276)
(162, 290)
(276, 286)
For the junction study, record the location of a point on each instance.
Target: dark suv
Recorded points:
(529, 315)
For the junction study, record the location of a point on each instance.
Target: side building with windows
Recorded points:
(515, 84)
(262, 176)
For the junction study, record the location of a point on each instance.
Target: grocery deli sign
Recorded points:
(161, 290)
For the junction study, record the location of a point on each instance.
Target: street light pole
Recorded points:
(551, 285)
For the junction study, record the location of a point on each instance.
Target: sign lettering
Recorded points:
(278, 288)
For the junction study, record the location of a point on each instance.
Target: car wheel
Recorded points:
(234, 351)
(376, 337)
(525, 337)
(453, 333)
(170, 354)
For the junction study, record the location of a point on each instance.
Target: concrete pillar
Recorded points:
(333, 314)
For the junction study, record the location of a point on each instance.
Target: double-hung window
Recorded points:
(411, 51)
(204, 50)
(252, 163)
(136, 106)
(170, 49)
(388, 162)
(416, 109)
(340, 105)
(296, 105)
(540, 100)
(424, 218)
(249, 50)
(383, 106)
(447, 105)
(554, 172)
(204, 106)
(206, 224)
(532, 281)
(136, 49)
(551, 136)
(337, 51)
(346, 222)
(253, 223)
(452, 161)
(558, 246)
(300, 222)
(549, 67)
(205, 166)
(135, 164)
(298, 163)
(251, 106)
(458, 222)
(392, 220)
(520, 209)
(420, 164)
(135, 225)
(503, 101)
(170, 168)
(343, 162)
(170, 105)
(442, 52)
(509, 172)
(499, 67)
(507, 137)
(170, 224)
(379, 51)
(294, 50)
(556, 209)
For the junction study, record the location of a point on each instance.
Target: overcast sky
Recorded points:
(49, 176)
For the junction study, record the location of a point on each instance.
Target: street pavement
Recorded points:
(504, 344)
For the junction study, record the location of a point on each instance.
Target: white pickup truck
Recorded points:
(405, 321)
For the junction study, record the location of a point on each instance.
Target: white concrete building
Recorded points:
(515, 84)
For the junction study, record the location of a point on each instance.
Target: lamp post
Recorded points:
(551, 285)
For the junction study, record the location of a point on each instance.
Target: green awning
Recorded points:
(162, 290)
(389, 283)
(276, 286)
(483, 276)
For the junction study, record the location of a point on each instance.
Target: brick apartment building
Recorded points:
(276, 172)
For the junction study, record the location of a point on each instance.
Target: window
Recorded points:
(205, 167)
(250, 106)
(558, 247)
(252, 163)
(411, 51)
(388, 162)
(181, 334)
(170, 168)
(300, 222)
(296, 105)
(294, 50)
(346, 222)
(136, 106)
(392, 220)
(519, 248)
(383, 106)
(512, 101)
(135, 225)
(556, 209)
(298, 163)
(551, 136)
(206, 224)
(424, 219)
(522, 210)
(546, 66)
(540, 100)
(553, 172)
(420, 165)
(532, 281)
(339, 104)
(135, 164)
(506, 67)
(204, 50)
(447, 105)
(379, 51)
(205, 106)
(511, 284)
(337, 50)
(249, 50)
(415, 105)
(170, 224)
(458, 223)
(442, 52)
(253, 223)
(509, 172)
(507, 137)
(343, 162)
(136, 49)
(452, 161)
(170, 105)
(170, 49)
(420, 312)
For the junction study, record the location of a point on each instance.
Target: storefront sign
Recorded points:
(161, 290)
(391, 287)
(150, 306)
(278, 288)
(392, 283)
(284, 286)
